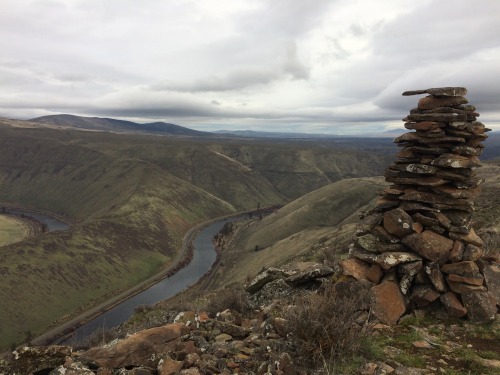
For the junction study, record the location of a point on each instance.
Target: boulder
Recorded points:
(356, 268)
(491, 274)
(457, 252)
(470, 238)
(265, 277)
(430, 245)
(141, 348)
(481, 306)
(388, 303)
(472, 253)
(309, 274)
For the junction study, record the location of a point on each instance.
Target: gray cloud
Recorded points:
(282, 63)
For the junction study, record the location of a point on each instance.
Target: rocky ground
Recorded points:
(301, 319)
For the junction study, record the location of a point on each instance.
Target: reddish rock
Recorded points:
(470, 238)
(478, 279)
(453, 305)
(417, 227)
(356, 268)
(138, 349)
(423, 295)
(430, 245)
(481, 307)
(388, 302)
(398, 223)
(442, 219)
(424, 125)
(431, 102)
(374, 273)
(456, 252)
(491, 274)
(466, 268)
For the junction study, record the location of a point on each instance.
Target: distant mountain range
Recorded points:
(262, 134)
(113, 125)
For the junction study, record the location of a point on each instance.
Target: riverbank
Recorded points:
(66, 329)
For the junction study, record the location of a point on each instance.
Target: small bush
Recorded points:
(234, 298)
(324, 326)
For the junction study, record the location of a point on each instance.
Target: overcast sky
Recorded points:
(315, 66)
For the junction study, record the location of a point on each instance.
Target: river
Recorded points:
(204, 256)
(53, 224)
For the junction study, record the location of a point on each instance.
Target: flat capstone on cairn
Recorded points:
(418, 245)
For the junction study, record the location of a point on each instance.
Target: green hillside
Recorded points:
(130, 199)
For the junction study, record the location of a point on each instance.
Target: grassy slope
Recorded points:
(325, 216)
(12, 230)
(131, 199)
(325, 219)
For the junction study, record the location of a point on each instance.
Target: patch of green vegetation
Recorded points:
(12, 230)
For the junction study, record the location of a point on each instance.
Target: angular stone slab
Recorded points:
(431, 102)
(453, 305)
(398, 223)
(434, 273)
(470, 238)
(439, 91)
(388, 303)
(436, 117)
(430, 245)
(423, 295)
(466, 268)
(477, 279)
(462, 288)
(456, 161)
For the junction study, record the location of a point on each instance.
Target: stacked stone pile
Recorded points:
(420, 235)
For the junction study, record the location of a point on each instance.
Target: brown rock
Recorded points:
(137, 349)
(472, 252)
(442, 219)
(436, 117)
(380, 232)
(423, 295)
(466, 268)
(455, 161)
(421, 181)
(388, 303)
(425, 220)
(478, 279)
(398, 223)
(417, 227)
(431, 102)
(453, 305)
(470, 238)
(453, 192)
(169, 366)
(457, 252)
(466, 150)
(435, 276)
(374, 274)
(491, 274)
(355, 267)
(439, 91)
(461, 288)
(481, 308)
(430, 245)
(424, 125)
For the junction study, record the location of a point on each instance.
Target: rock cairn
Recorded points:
(419, 237)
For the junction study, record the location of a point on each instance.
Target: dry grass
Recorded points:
(324, 326)
(233, 298)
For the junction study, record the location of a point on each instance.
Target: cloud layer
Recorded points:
(282, 65)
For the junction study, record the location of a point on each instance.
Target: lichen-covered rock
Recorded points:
(398, 223)
(35, 359)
